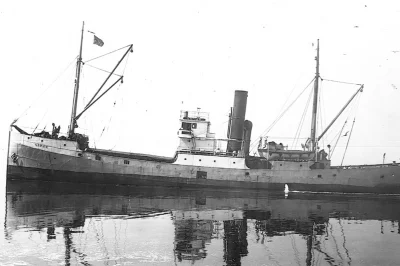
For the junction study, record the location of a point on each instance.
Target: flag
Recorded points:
(98, 41)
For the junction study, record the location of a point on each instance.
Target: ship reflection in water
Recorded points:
(60, 223)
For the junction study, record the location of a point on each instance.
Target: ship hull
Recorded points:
(36, 158)
(27, 173)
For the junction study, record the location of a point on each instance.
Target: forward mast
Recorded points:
(72, 124)
(313, 140)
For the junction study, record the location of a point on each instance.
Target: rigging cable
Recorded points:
(343, 82)
(290, 94)
(103, 70)
(298, 131)
(280, 116)
(351, 130)
(40, 121)
(51, 84)
(106, 127)
(348, 140)
(349, 111)
(105, 54)
(338, 137)
(255, 142)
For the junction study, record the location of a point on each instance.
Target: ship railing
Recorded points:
(208, 153)
(365, 166)
(194, 115)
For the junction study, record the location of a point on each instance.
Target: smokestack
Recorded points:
(247, 137)
(237, 120)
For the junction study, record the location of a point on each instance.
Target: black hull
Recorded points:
(26, 173)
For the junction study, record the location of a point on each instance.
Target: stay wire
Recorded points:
(347, 113)
(298, 131)
(343, 82)
(348, 140)
(51, 84)
(351, 131)
(102, 70)
(40, 121)
(280, 116)
(106, 54)
(339, 135)
(106, 127)
(255, 142)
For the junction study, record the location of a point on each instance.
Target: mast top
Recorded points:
(315, 104)
(72, 123)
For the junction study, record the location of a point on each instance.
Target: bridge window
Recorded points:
(186, 126)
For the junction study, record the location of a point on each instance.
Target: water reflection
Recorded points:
(55, 223)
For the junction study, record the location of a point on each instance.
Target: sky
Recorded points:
(190, 54)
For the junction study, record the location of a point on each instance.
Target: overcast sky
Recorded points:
(190, 54)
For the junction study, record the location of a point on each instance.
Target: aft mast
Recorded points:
(72, 123)
(313, 141)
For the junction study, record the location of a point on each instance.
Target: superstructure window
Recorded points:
(126, 162)
(186, 126)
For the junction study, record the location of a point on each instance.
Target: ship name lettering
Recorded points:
(41, 145)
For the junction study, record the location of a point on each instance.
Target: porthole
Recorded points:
(184, 159)
(199, 160)
(41, 140)
(215, 161)
(234, 162)
(65, 145)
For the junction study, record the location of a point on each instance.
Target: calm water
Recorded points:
(66, 224)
